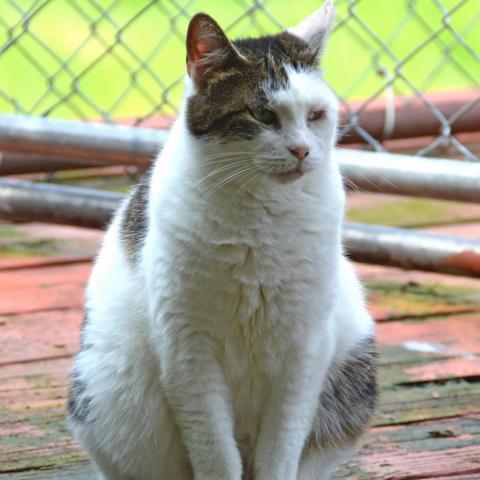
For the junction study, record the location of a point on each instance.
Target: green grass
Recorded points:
(33, 74)
(412, 213)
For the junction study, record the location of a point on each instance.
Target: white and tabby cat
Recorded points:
(226, 336)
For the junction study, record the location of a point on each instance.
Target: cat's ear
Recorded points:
(315, 29)
(208, 49)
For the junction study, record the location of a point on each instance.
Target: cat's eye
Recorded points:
(316, 115)
(265, 116)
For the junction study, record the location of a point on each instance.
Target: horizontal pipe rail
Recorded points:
(413, 176)
(364, 243)
(411, 249)
(44, 202)
(411, 116)
(79, 140)
(375, 172)
(12, 163)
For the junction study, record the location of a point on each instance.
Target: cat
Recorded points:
(225, 335)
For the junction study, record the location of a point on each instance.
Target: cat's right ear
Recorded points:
(208, 49)
(316, 28)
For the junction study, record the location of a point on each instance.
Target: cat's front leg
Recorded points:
(289, 413)
(197, 392)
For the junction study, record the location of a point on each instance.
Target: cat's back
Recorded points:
(115, 302)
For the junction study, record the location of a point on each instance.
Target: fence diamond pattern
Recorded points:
(123, 60)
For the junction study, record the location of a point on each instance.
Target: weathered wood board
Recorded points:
(427, 425)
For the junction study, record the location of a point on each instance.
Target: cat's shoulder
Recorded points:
(134, 220)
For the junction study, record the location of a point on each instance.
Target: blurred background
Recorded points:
(406, 71)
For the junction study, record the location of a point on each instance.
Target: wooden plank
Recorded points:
(410, 404)
(468, 476)
(422, 388)
(75, 471)
(421, 465)
(37, 276)
(382, 313)
(456, 333)
(33, 431)
(34, 244)
(445, 369)
(46, 334)
(33, 397)
(17, 300)
(416, 404)
(392, 300)
(429, 350)
(427, 450)
(433, 372)
(43, 252)
(29, 337)
(11, 264)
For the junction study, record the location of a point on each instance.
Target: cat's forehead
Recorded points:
(272, 54)
(302, 89)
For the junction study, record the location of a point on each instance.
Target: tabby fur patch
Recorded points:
(222, 109)
(348, 399)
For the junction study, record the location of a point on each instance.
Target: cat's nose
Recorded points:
(299, 151)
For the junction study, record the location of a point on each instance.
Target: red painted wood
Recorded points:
(9, 264)
(457, 333)
(404, 465)
(383, 313)
(463, 367)
(55, 274)
(18, 300)
(454, 341)
(33, 389)
(39, 335)
(471, 476)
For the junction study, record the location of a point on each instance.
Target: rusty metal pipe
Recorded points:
(411, 249)
(396, 247)
(449, 112)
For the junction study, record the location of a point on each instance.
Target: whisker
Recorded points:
(349, 183)
(229, 166)
(255, 175)
(227, 179)
(372, 183)
(223, 154)
(225, 160)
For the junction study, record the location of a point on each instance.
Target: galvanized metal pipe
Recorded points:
(83, 141)
(43, 202)
(12, 163)
(376, 172)
(413, 176)
(394, 247)
(411, 249)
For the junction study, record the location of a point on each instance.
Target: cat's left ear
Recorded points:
(208, 49)
(316, 28)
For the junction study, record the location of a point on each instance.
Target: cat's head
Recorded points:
(263, 96)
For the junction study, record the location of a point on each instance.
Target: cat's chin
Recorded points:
(289, 176)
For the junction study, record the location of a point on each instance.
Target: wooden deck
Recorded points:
(427, 426)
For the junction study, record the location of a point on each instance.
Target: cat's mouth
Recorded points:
(289, 175)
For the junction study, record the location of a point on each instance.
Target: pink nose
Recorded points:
(299, 152)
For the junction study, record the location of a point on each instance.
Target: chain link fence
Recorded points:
(407, 72)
